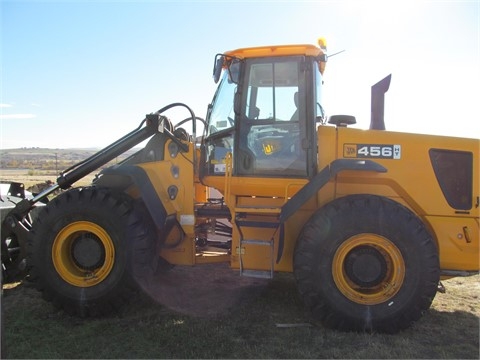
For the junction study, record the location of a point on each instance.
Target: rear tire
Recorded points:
(89, 250)
(366, 263)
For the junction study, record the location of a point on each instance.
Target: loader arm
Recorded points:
(16, 224)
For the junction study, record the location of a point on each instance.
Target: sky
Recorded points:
(84, 73)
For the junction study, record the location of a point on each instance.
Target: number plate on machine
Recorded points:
(376, 151)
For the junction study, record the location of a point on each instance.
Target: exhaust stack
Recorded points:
(377, 121)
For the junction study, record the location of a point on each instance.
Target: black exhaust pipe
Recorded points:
(377, 121)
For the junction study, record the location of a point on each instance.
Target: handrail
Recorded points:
(228, 178)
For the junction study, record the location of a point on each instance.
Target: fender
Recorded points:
(317, 182)
(120, 177)
(323, 177)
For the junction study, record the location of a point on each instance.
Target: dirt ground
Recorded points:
(203, 290)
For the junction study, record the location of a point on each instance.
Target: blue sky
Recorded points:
(84, 73)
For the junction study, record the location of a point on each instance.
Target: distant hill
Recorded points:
(49, 159)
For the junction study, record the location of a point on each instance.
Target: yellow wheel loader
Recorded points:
(369, 221)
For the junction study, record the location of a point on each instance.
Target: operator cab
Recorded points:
(265, 112)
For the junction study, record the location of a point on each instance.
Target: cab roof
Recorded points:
(276, 50)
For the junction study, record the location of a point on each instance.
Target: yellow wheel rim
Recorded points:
(368, 269)
(83, 254)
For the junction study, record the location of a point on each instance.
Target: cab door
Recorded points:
(264, 113)
(271, 136)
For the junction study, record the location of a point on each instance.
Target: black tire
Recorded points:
(366, 263)
(89, 251)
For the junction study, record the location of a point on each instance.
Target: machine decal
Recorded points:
(219, 168)
(375, 151)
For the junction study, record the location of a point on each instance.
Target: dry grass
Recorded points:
(32, 328)
(146, 329)
(30, 178)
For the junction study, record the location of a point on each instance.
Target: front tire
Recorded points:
(89, 249)
(366, 263)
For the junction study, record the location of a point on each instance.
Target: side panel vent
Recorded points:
(454, 172)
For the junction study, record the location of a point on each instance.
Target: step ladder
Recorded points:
(241, 222)
(240, 213)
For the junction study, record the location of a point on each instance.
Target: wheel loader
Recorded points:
(368, 221)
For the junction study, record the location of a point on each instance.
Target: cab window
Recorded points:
(270, 134)
(222, 116)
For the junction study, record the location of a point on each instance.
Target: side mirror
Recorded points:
(217, 68)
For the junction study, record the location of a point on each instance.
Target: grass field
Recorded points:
(250, 329)
(33, 328)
